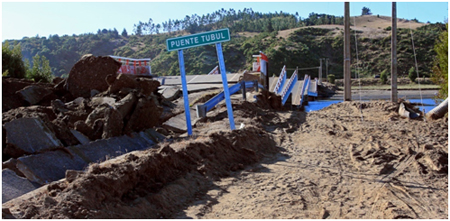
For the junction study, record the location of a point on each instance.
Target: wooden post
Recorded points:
(347, 76)
(320, 71)
(394, 97)
(267, 76)
(326, 68)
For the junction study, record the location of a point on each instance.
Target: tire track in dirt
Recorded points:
(337, 166)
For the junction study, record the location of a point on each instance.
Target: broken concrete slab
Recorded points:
(33, 93)
(49, 166)
(177, 123)
(14, 186)
(80, 137)
(52, 165)
(155, 136)
(102, 150)
(171, 93)
(31, 135)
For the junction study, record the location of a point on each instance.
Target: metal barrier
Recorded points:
(211, 103)
(287, 90)
(305, 86)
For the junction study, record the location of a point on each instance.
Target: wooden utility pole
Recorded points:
(320, 71)
(347, 76)
(394, 96)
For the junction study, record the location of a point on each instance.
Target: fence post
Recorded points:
(185, 92)
(243, 90)
(201, 110)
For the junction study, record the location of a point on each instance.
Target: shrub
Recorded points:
(41, 71)
(331, 78)
(12, 64)
(412, 74)
(384, 76)
(440, 68)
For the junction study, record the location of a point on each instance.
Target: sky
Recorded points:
(32, 18)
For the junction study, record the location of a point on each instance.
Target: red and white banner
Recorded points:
(262, 63)
(134, 66)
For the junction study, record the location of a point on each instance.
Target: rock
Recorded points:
(113, 123)
(58, 106)
(121, 81)
(89, 73)
(145, 115)
(57, 80)
(33, 94)
(44, 113)
(126, 105)
(97, 113)
(6, 214)
(10, 99)
(71, 175)
(94, 92)
(148, 86)
(62, 132)
(83, 128)
(30, 135)
(97, 101)
(12, 165)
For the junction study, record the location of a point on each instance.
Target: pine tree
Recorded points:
(366, 11)
(125, 33)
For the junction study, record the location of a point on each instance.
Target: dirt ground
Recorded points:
(340, 162)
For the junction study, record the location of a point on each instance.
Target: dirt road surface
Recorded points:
(340, 162)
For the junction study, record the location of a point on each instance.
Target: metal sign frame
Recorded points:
(195, 38)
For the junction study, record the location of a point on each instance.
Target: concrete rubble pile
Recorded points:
(93, 115)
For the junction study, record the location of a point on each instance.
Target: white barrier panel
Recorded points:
(280, 82)
(287, 90)
(256, 65)
(214, 71)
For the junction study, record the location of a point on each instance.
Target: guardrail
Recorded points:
(211, 103)
(304, 87)
(287, 90)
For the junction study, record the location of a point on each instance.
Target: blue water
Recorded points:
(428, 104)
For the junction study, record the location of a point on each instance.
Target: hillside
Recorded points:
(319, 36)
(371, 26)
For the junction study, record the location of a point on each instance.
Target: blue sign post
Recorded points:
(225, 85)
(184, 42)
(187, 110)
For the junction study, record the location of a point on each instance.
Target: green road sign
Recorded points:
(199, 39)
